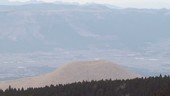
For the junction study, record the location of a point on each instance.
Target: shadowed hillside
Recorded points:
(152, 86)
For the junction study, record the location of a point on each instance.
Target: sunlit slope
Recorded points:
(76, 71)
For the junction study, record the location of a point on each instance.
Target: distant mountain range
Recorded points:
(36, 27)
(137, 38)
(74, 72)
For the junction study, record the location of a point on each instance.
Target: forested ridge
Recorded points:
(151, 86)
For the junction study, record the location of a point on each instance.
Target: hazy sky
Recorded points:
(121, 3)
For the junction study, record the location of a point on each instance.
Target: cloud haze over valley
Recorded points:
(121, 3)
(36, 38)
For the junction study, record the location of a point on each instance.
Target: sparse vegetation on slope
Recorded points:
(75, 72)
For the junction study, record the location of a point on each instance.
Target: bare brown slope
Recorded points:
(76, 71)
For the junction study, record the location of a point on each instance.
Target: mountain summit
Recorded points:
(74, 72)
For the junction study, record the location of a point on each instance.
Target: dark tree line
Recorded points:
(152, 86)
